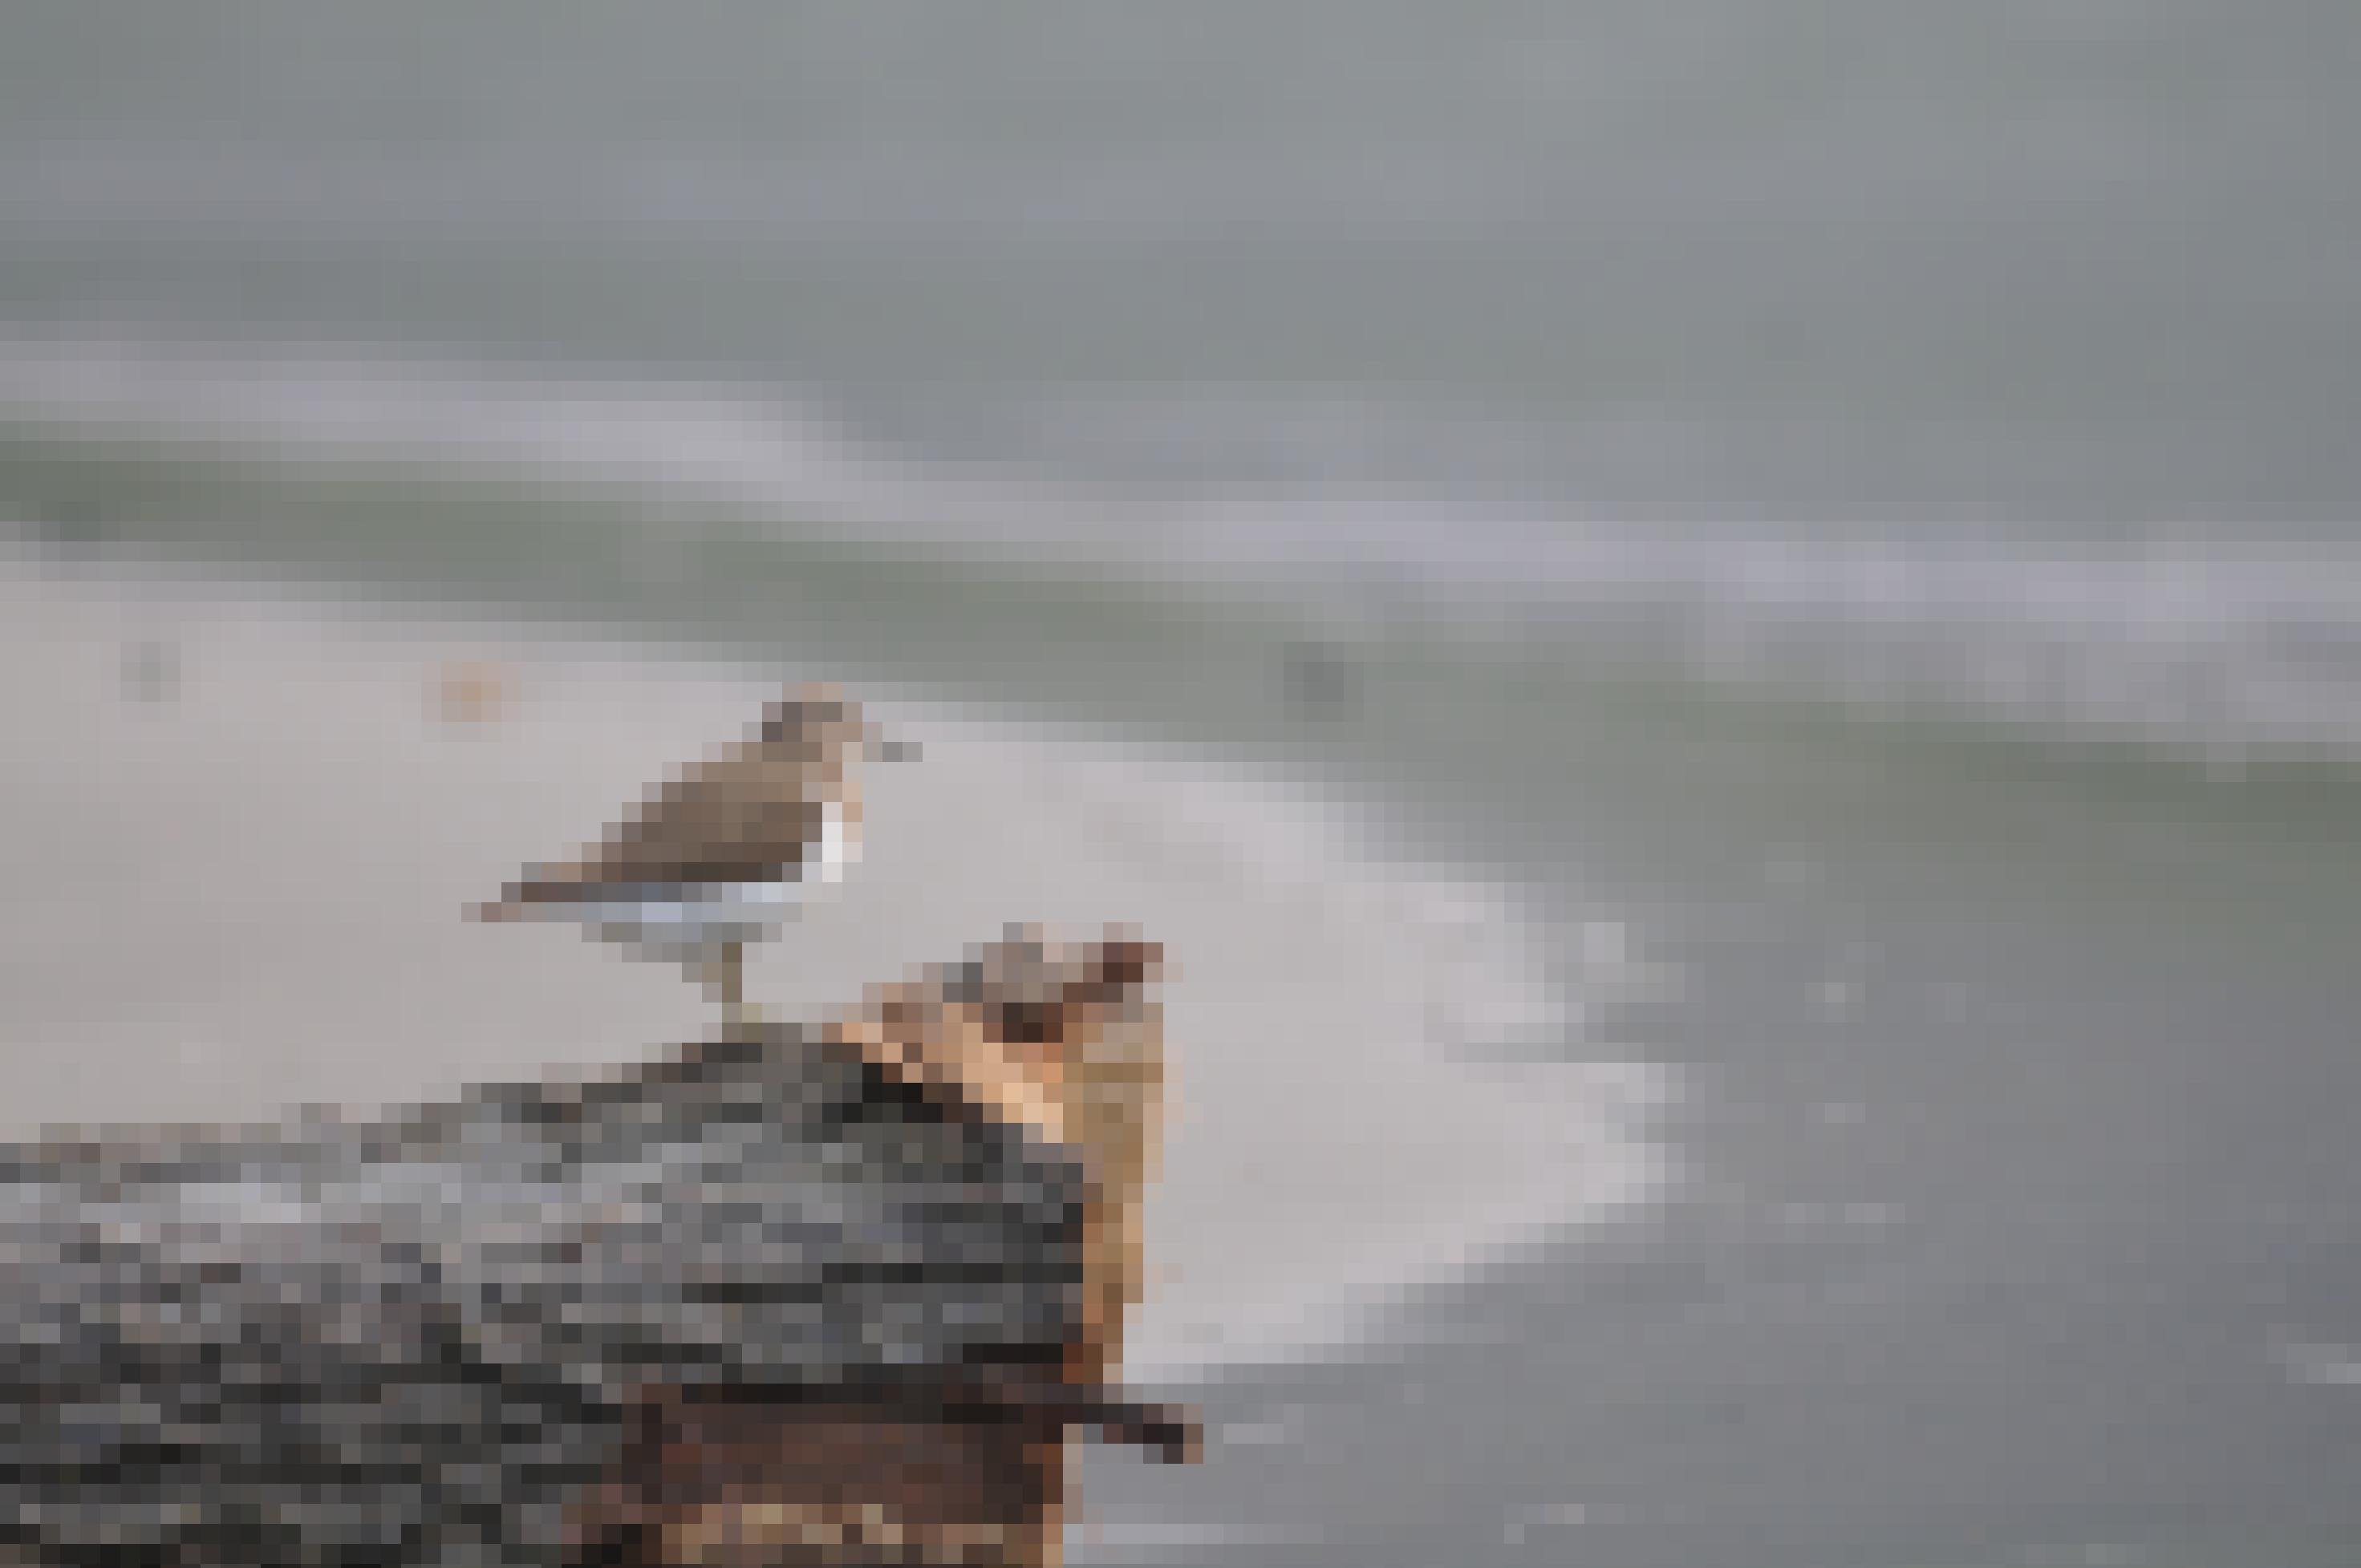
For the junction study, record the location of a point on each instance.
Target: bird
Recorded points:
(724, 853)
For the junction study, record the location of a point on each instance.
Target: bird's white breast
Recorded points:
(691, 920)
(833, 851)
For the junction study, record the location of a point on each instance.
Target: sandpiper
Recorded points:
(724, 853)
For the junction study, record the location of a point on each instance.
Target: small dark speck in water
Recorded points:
(1319, 684)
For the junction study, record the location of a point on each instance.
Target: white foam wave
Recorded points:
(2220, 640)
(766, 452)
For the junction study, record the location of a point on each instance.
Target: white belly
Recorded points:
(689, 923)
(724, 912)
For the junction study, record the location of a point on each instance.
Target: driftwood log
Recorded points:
(828, 1294)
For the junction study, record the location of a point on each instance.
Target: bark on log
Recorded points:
(437, 1337)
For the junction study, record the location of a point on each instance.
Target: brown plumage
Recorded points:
(721, 855)
(750, 813)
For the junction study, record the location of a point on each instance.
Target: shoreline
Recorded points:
(258, 832)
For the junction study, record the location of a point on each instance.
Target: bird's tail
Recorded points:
(498, 911)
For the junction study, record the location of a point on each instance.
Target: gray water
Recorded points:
(1828, 259)
(1864, 491)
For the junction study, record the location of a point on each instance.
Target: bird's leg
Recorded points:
(734, 986)
(724, 976)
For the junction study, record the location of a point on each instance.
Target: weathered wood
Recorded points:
(436, 1337)
(971, 1470)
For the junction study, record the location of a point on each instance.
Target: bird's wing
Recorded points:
(740, 817)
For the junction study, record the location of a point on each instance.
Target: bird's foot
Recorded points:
(744, 1018)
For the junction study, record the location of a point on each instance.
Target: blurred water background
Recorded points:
(1852, 508)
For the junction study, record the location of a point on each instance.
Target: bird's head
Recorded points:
(820, 717)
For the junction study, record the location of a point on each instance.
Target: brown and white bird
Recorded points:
(725, 852)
